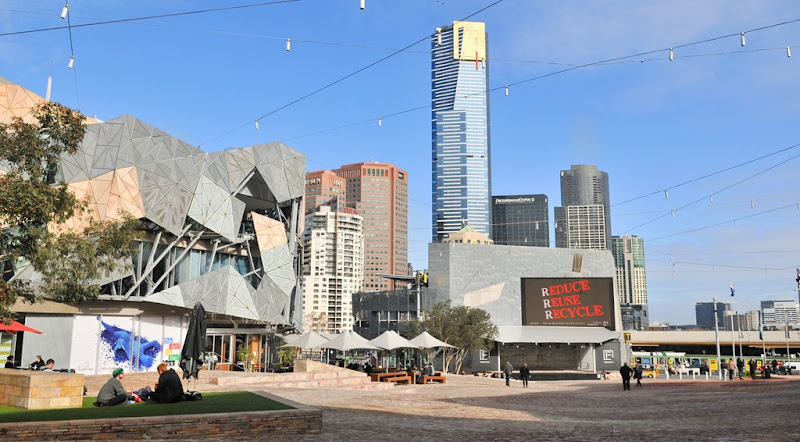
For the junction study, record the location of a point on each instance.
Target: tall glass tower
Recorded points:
(460, 170)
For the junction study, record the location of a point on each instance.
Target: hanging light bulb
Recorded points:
(380, 122)
(483, 64)
(666, 194)
(288, 44)
(789, 51)
(256, 124)
(734, 223)
(506, 91)
(711, 198)
(752, 204)
(673, 213)
(741, 38)
(438, 36)
(71, 62)
(65, 11)
(537, 225)
(671, 54)
(363, 4)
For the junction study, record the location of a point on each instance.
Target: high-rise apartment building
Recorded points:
(631, 284)
(379, 193)
(704, 314)
(520, 220)
(333, 268)
(583, 221)
(461, 177)
(777, 313)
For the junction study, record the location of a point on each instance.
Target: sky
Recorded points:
(720, 117)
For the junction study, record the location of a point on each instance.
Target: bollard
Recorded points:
(694, 373)
(680, 375)
(706, 375)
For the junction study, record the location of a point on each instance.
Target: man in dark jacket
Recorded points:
(753, 368)
(524, 374)
(625, 371)
(508, 369)
(169, 387)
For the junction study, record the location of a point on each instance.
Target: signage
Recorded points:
(312, 181)
(582, 302)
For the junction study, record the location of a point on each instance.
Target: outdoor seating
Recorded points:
(405, 379)
(378, 377)
(429, 379)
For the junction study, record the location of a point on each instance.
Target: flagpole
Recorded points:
(716, 337)
(786, 315)
(741, 336)
(733, 336)
(761, 336)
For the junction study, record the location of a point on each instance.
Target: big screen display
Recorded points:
(582, 302)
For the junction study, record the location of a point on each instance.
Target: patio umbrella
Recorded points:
(425, 340)
(390, 340)
(15, 327)
(194, 344)
(306, 340)
(348, 341)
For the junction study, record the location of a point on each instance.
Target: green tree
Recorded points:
(466, 328)
(34, 201)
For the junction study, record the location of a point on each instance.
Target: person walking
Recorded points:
(625, 371)
(753, 368)
(740, 368)
(637, 374)
(731, 369)
(524, 374)
(507, 370)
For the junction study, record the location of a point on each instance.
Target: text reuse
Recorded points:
(567, 301)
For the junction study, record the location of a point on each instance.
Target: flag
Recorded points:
(786, 315)
(732, 290)
(760, 327)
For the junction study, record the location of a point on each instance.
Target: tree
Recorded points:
(464, 327)
(34, 202)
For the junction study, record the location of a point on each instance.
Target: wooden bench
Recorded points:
(399, 379)
(427, 379)
(378, 377)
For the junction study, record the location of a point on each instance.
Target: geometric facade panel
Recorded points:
(270, 233)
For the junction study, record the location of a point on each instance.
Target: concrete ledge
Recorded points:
(40, 390)
(235, 426)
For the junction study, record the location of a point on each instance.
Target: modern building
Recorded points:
(744, 321)
(551, 313)
(460, 139)
(217, 229)
(468, 235)
(377, 312)
(583, 221)
(333, 268)
(324, 187)
(520, 220)
(778, 313)
(379, 193)
(631, 286)
(704, 314)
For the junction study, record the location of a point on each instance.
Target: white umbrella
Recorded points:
(348, 341)
(425, 340)
(390, 340)
(306, 340)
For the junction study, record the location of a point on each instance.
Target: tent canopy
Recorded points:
(425, 340)
(389, 340)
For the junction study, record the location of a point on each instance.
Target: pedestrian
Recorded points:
(625, 371)
(740, 367)
(524, 374)
(507, 370)
(10, 361)
(731, 369)
(637, 374)
(752, 365)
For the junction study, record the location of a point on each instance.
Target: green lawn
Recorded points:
(230, 402)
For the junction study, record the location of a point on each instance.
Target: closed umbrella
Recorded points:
(194, 344)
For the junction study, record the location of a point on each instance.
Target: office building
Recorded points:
(520, 220)
(324, 187)
(778, 313)
(583, 221)
(631, 284)
(333, 268)
(461, 166)
(744, 321)
(379, 193)
(704, 314)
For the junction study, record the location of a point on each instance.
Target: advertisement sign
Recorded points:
(581, 302)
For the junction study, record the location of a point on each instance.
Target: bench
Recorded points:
(378, 377)
(427, 379)
(399, 379)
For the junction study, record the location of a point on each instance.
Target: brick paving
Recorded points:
(473, 408)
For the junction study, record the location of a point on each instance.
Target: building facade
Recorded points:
(583, 221)
(520, 220)
(778, 313)
(460, 139)
(631, 285)
(379, 193)
(704, 314)
(333, 269)
(324, 187)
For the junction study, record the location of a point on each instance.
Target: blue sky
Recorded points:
(650, 123)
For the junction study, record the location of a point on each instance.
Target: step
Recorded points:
(270, 378)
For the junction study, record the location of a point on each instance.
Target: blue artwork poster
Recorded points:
(121, 346)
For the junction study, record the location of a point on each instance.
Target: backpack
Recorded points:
(192, 396)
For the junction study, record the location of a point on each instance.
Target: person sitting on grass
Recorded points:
(112, 392)
(169, 387)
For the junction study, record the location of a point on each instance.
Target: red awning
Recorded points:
(17, 327)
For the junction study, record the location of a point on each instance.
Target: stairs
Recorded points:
(307, 374)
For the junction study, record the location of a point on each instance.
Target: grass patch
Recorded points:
(229, 402)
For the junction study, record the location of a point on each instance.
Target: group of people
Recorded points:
(169, 389)
(626, 372)
(524, 374)
(37, 364)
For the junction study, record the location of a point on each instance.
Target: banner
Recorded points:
(583, 302)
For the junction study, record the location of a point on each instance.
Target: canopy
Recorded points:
(348, 341)
(194, 344)
(517, 334)
(425, 340)
(390, 340)
(306, 340)
(15, 327)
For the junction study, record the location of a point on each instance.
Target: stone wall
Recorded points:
(40, 390)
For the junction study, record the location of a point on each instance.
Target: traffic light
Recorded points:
(424, 279)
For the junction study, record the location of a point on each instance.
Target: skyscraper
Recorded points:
(379, 193)
(520, 220)
(460, 171)
(583, 221)
(631, 285)
(324, 187)
(704, 314)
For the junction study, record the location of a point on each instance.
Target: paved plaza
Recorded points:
(469, 408)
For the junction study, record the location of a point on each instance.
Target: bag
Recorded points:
(192, 396)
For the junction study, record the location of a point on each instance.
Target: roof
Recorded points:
(556, 335)
(706, 337)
